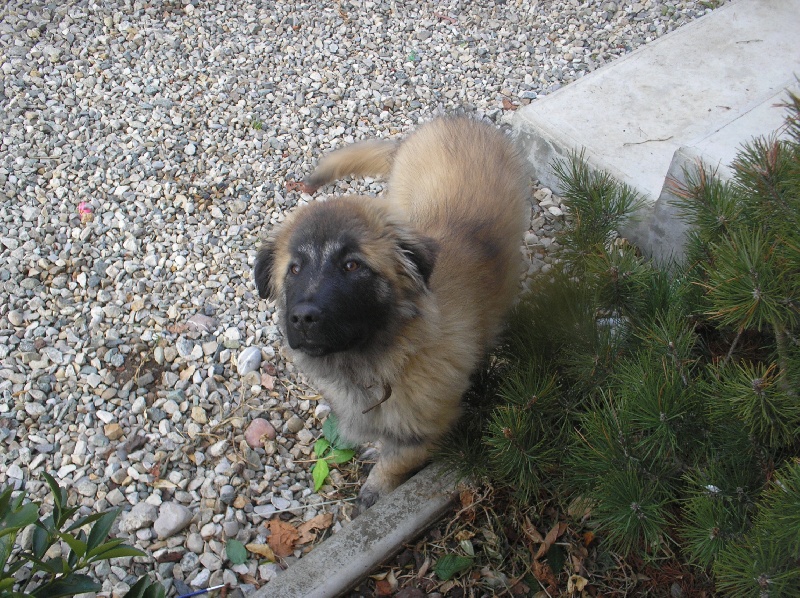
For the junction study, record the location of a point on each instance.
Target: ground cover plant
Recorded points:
(639, 431)
(51, 562)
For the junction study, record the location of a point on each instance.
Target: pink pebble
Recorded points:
(258, 431)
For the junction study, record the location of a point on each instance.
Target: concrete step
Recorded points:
(697, 93)
(348, 556)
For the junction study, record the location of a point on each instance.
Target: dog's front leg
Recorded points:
(396, 463)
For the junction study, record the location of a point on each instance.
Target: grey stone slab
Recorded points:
(348, 556)
(708, 86)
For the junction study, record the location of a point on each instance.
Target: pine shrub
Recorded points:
(664, 397)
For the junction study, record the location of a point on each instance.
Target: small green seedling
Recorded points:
(236, 552)
(331, 447)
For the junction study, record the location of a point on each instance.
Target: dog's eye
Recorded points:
(351, 266)
(294, 269)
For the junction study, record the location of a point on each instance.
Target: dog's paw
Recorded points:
(368, 496)
(367, 457)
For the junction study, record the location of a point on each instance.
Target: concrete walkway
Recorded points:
(699, 92)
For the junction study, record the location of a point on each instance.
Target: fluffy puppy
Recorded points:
(389, 304)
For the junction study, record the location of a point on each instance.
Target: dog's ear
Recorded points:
(422, 251)
(262, 270)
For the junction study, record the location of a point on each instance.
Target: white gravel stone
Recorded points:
(172, 518)
(15, 318)
(249, 360)
(141, 515)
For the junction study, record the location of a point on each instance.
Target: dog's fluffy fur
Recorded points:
(389, 304)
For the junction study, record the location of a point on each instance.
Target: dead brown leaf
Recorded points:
(576, 583)
(383, 588)
(282, 537)
(520, 589)
(544, 573)
(509, 105)
(531, 531)
(553, 535)
(467, 498)
(307, 530)
(261, 550)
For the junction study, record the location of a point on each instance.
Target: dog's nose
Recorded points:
(304, 316)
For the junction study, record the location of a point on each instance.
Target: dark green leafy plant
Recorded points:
(37, 572)
(665, 399)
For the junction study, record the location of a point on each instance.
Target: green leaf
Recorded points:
(6, 545)
(65, 516)
(236, 552)
(320, 446)
(22, 517)
(84, 521)
(101, 528)
(330, 429)
(55, 565)
(75, 583)
(78, 547)
(451, 565)
(41, 538)
(342, 455)
(59, 498)
(155, 590)
(118, 552)
(5, 500)
(144, 588)
(7, 584)
(104, 547)
(320, 472)
(137, 590)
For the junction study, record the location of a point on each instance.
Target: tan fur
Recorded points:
(461, 183)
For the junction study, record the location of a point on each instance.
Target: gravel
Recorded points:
(145, 147)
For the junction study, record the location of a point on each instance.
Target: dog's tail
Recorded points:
(366, 158)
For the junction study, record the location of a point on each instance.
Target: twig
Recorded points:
(647, 141)
(444, 17)
(327, 502)
(733, 346)
(387, 392)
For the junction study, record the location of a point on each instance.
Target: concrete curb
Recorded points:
(345, 558)
(698, 92)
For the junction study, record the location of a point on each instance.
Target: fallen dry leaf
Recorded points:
(282, 537)
(520, 589)
(464, 535)
(544, 573)
(576, 583)
(509, 105)
(383, 588)
(261, 550)
(531, 531)
(307, 529)
(557, 530)
(467, 498)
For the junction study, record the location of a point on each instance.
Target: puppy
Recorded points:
(389, 304)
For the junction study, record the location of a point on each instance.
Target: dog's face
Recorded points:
(341, 270)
